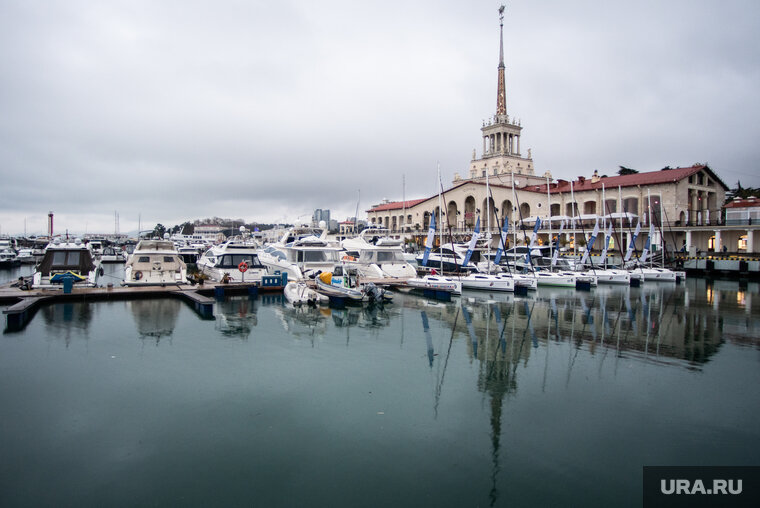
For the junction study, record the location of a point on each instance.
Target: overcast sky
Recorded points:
(175, 110)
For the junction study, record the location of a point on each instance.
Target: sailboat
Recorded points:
(484, 281)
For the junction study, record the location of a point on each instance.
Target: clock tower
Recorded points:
(501, 158)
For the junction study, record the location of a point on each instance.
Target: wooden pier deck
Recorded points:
(24, 303)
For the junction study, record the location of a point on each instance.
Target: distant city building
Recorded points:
(207, 229)
(320, 215)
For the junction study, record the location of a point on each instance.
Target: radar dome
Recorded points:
(322, 224)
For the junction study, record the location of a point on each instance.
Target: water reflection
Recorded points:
(155, 318)
(235, 316)
(305, 321)
(67, 320)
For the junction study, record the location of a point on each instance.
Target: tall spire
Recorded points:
(501, 94)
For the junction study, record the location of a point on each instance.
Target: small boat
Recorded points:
(437, 282)
(299, 293)
(155, 263)
(485, 282)
(338, 287)
(66, 261)
(8, 258)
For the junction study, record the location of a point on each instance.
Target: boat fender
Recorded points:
(138, 275)
(349, 258)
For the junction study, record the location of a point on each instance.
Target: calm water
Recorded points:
(558, 398)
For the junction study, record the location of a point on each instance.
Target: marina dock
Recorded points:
(23, 304)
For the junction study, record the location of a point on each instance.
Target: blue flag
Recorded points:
(429, 242)
(503, 242)
(473, 241)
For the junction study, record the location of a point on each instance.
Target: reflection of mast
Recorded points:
(439, 386)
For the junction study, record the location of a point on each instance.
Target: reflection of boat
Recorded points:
(155, 318)
(298, 293)
(235, 316)
(66, 260)
(155, 262)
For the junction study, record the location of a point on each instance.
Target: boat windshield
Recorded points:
(317, 256)
(233, 260)
(389, 257)
(66, 257)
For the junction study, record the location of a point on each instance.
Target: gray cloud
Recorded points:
(179, 110)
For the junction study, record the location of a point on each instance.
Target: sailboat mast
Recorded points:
(403, 203)
(549, 213)
(488, 221)
(572, 198)
(604, 227)
(440, 221)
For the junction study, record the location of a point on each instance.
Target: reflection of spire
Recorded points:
(439, 388)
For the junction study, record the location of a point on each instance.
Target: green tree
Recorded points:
(159, 230)
(626, 171)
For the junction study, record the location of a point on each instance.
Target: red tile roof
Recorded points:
(743, 203)
(650, 178)
(397, 205)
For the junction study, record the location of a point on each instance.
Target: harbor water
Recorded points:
(556, 398)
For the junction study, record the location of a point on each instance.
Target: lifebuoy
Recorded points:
(243, 267)
(138, 275)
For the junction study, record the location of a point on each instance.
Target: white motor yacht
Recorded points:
(301, 258)
(374, 254)
(96, 248)
(26, 256)
(155, 262)
(113, 254)
(66, 261)
(228, 258)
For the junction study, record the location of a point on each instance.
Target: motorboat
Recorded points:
(343, 282)
(338, 286)
(447, 260)
(229, 258)
(26, 256)
(66, 261)
(96, 248)
(8, 258)
(299, 293)
(190, 253)
(113, 254)
(488, 282)
(375, 254)
(155, 262)
(301, 258)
